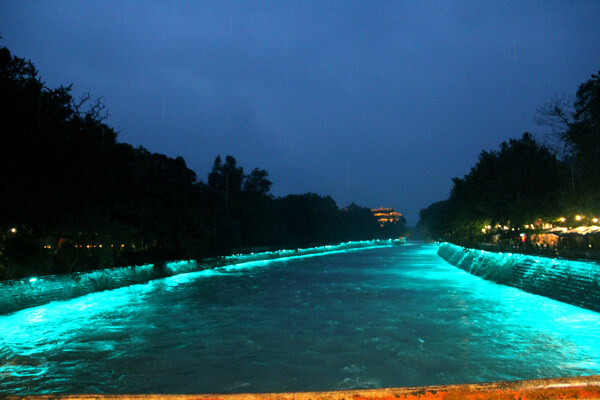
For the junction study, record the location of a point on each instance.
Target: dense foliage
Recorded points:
(524, 182)
(73, 198)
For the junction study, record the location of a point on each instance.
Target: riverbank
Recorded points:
(572, 282)
(24, 293)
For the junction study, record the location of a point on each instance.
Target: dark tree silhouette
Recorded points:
(73, 198)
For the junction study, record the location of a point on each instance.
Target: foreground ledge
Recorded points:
(586, 387)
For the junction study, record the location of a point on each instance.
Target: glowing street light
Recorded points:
(578, 218)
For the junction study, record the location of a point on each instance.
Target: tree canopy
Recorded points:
(524, 181)
(74, 198)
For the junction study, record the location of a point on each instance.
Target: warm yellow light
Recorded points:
(578, 217)
(483, 230)
(526, 226)
(595, 220)
(562, 219)
(13, 230)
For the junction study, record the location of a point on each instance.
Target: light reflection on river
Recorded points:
(373, 318)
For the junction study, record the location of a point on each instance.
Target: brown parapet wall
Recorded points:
(585, 387)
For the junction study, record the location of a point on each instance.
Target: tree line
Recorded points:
(73, 198)
(525, 181)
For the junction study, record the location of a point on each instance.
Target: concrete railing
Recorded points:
(587, 387)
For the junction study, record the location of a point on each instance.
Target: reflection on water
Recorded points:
(382, 317)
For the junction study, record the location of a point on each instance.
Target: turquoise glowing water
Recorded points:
(372, 318)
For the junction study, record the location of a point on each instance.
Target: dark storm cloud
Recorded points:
(380, 103)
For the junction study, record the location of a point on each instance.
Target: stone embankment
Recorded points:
(572, 282)
(24, 293)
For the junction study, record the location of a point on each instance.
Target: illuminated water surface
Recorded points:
(372, 318)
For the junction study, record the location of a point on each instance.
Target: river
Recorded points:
(388, 317)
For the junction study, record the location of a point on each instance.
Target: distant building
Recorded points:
(385, 215)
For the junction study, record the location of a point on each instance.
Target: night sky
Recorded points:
(379, 103)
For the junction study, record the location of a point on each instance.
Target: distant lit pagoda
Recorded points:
(386, 215)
